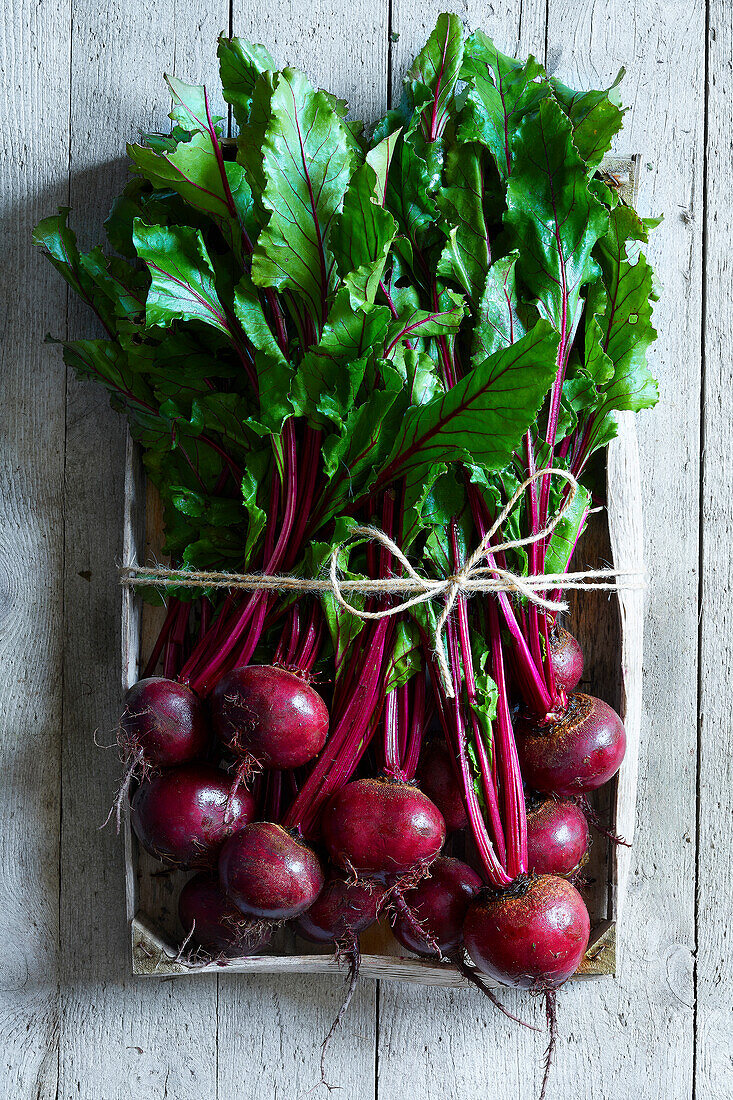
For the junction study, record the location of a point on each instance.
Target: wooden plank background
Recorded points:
(78, 79)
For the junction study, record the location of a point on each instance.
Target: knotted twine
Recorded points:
(472, 578)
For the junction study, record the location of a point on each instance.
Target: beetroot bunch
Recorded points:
(219, 790)
(192, 809)
(313, 333)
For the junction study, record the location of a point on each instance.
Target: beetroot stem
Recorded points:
(487, 777)
(494, 870)
(417, 727)
(515, 811)
(232, 634)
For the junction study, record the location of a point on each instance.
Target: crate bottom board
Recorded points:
(154, 958)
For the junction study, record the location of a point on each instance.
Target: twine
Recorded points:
(472, 578)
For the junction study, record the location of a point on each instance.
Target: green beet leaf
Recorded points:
(197, 172)
(434, 74)
(241, 63)
(554, 218)
(596, 118)
(191, 111)
(501, 93)
(484, 416)
(363, 231)
(561, 542)
(307, 164)
(498, 323)
(406, 657)
(465, 257)
(419, 324)
(182, 276)
(622, 330)
(329, 377)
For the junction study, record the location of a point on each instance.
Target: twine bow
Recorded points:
(471, 578)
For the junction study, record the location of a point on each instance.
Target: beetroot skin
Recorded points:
(376, 826)
(270, 715)
(178, 816)
(437, 777)
(341, 911)
(578, 753)
(164, 721)
(438, 904)
(567, 659)
(557, 837)
(268, 873)
(217, 924)
(532, 936)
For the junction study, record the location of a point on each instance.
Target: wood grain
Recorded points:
(341, 45)
(458, 1033)
(34, 41)
(714, 991)
(661, 45)
(283, 1020)
(116, 1038)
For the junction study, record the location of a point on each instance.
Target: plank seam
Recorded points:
(376, 1041)
(67, 306)
(390, 50)
(547, 28)
(701, 543)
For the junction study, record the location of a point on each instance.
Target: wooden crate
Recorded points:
(610, 629)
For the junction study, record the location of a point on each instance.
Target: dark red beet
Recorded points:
(557, 837)
(163, 723)
(218, 926)
(532, 936)
(438, 904)
(178, 816)
(567, 659)
(270, 716)
(268, 873)
(578, 753)
(341, 911)
(376, 826)
(437, 778)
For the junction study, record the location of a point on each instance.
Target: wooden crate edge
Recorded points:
(626, 534)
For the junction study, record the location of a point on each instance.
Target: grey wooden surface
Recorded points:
(78, 78)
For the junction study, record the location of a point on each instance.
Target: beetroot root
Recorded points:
(268, 873)
(180, 815)
(380, 826)
(214, 923)
(269, 716)
(533, 935)
(579, 752)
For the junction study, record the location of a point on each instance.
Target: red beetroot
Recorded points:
(163, 723)
(341, 911)
(577, 753)
(268, 873)
(380, 826)
(557, 837)
(215, 923)
(533, 935)
(179, 815)
(269, 716)
(437, 777)
(567, 659)
(438, 904)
